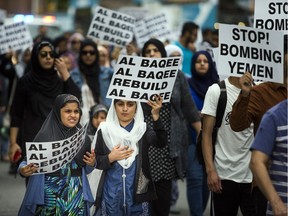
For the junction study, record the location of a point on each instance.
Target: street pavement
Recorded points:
(12, 191)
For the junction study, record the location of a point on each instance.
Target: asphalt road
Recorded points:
(12, 191)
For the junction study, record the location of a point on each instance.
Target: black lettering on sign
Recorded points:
(115, 92)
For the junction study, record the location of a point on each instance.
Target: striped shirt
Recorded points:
(272, 139)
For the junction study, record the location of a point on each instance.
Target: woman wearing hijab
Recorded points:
(174, 51)
(97, 114)
(122, 143)
(175, 115)
(65, 191)
(86, 76)
(73, 46)
(204, 74)
(35, 93)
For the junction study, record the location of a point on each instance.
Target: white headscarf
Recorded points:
(171, 48)
(114, 134)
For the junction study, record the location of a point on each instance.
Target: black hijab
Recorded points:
(158, 44)
(91, 72)
(94, 110)
(44, 81)
(53, 129)
(201, 83)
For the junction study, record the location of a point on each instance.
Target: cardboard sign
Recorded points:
(243, 49)
(111, 27)
(15, 36)
(138, 78)
(51, 156)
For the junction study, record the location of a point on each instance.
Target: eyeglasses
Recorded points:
(44, 54)
(91, 52)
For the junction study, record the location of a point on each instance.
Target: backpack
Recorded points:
(219, 116)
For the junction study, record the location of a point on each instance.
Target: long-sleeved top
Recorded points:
(171, 161)
(144, 189)
(30, 108)
(247, 110)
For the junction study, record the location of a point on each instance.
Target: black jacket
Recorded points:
(144, 188)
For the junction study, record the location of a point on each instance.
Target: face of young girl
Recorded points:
(46, 57)
(70, 114)
(202, 64)
(97, 119)
(125, 111)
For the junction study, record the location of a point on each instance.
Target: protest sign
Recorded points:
(15, 36)
(112, 27)
(137, 12)
(258, 51)
(155, 26)
(271, 15)
(139, 78)
(51, 156)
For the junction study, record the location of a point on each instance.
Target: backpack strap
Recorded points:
(221, 104)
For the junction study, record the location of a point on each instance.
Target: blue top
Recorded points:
(187, 57)
(105, 77)
(199, 103)
(272, 139)
(118, 191)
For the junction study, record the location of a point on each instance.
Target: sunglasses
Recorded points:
(44, 54)
(88, 52)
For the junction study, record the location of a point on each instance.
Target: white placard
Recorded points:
(51, 156)
(139, 79)
(15, 36)
(258, 51)
(111, 27)
(271, 15)
(137, 12)
(155, 26)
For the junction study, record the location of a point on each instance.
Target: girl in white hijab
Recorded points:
(122, 144)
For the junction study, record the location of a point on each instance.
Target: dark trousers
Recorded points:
(260, 201)
(161, 206)
(233, 196)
